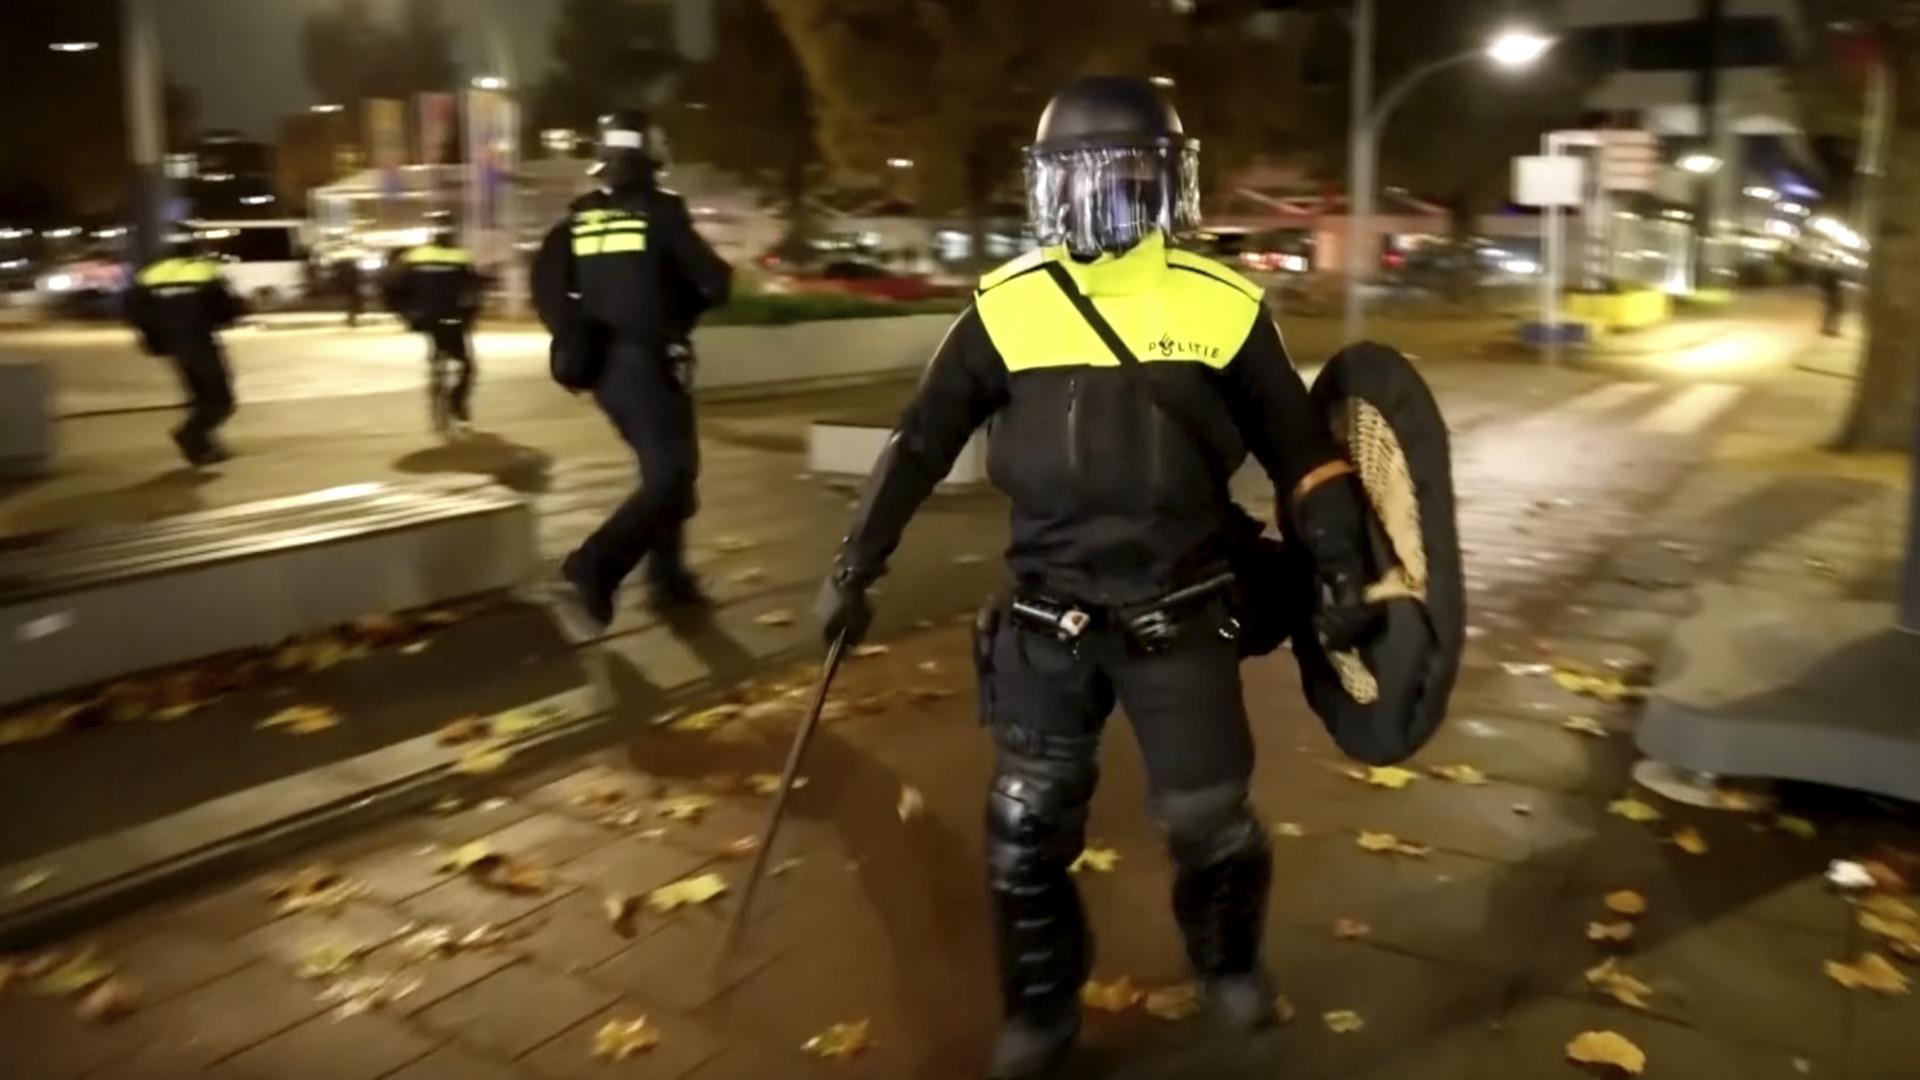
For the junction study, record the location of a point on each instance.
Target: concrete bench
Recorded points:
(26, 419)
(78, 608)
(847, 448)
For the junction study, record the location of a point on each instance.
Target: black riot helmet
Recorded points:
(440, 228)
(631, 149)
(1109, 165)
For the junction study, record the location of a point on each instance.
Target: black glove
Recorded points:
(1345, 620)
(842, 608)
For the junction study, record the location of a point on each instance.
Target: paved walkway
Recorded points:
(1591, 507)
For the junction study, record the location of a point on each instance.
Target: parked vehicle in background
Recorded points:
(85, 288)
(850, 278)
(264, 261)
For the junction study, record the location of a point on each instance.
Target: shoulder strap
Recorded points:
(1130, 363)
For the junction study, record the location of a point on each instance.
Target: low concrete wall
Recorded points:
(734, 358)
(26, 419)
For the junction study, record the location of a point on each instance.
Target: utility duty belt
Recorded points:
(1153, 625)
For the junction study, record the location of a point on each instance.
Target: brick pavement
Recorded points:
(1592, 506)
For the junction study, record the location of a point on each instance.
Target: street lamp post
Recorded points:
(141, 56)
(1510, 49)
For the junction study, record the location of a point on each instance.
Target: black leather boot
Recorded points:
(1223, 869)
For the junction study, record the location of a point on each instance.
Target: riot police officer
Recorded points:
(620, 283)
(179, 303)
(1120, 525)
(438, 293)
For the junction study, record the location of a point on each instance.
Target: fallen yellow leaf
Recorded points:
(1618, 933)
(734, 545)
(1343, 1021)
(1174, 1003)
(1608, 688)
(704, 720)
(1460, 774)
(1870, 972)
(1292, 830)
(1099, 860)
(39, 723)
(1609, 1049)
(1391, 777)
(1689, 840)
(685, 807)
(317, 887)
(1283, 1010)
(687, 891)
(326, 961)
(1345, 929)
(466, 729)
(522, 720)
(111, 1000)
(483, 759)
(618, 1040)
(749, 576)
(777, 617)
(1382, 843)
(911, 803)
(1626, 902)
(785, 866)
(1585, 725)
(841, 1042)
(1740, 800)
(1607, 978)
(468, 856)
(1113, 997)
(1795, 826)
(864, 652)
(740, 847)
(78, 973)
(29, 881)
(1902, 935)
(620, 910)
(767, 783)
(1634, 810)
(302, 719)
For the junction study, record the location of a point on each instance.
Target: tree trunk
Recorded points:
(1883, 413)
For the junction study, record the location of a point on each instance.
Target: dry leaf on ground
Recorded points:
(1522, 809)
(1689, 840)
(1391, 777)
(1608, 1049)
(740, 847)
(39, 723)
(734, 545)
(1626, 902)
(1607, 978)
(111, 1000)
(466, 729)
(415, 648)
(776, 617)
(1460, 774)
(687, 891)
(326, 961)
(841, 1042)
(1345, 929)
(1608, 688)
(766, 783)
(1290, 829)
(1871, 972)
(1095, 858)
(1634, 810)
(1585, 725)
(1795, 826)
(317, 887)
(483, 759)
(1174, 1003)
(1902, 935)
(467, 857)
(1740, 800)
(302, 719)
(865, 652)
(1116, 996)
(618, 1040)
(1610, 933)
(685, 807)
(77, 973)
(29, 881)
(1384, 843)
(911, 803)
(751, 575)
(1343, 1021)
(929, 667)
(704, 720)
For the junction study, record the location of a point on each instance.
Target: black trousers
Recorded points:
(1048, 702)
(203, 374)
(450, 368)
(650, 403)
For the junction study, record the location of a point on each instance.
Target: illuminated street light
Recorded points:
(1700, 164)
(1518, 48)
(1795, 209)
(327, 107)
(489, 82)
(1764, 194)
(1164, 82)
(74, 46)
(900, 163)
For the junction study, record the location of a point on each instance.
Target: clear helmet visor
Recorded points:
(1095, 199)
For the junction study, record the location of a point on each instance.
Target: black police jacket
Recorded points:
(627, 265)
(436, 285)
(175, 302)
(1114, 502)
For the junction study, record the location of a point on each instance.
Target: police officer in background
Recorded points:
(1120, 523)
(179, 304)
(437, 292)
(620, 283)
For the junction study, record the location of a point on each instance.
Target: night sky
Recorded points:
(243, 56)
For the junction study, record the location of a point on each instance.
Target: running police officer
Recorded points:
(620, 283)
(179, 304)
(438, 293)
(1120, 520)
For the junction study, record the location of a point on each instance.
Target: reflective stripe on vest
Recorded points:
(1168, 306)
(435, 255)
(608, 232)
(179, 272)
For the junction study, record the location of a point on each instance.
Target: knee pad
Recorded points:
(1037, 809)
(1210, 824)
